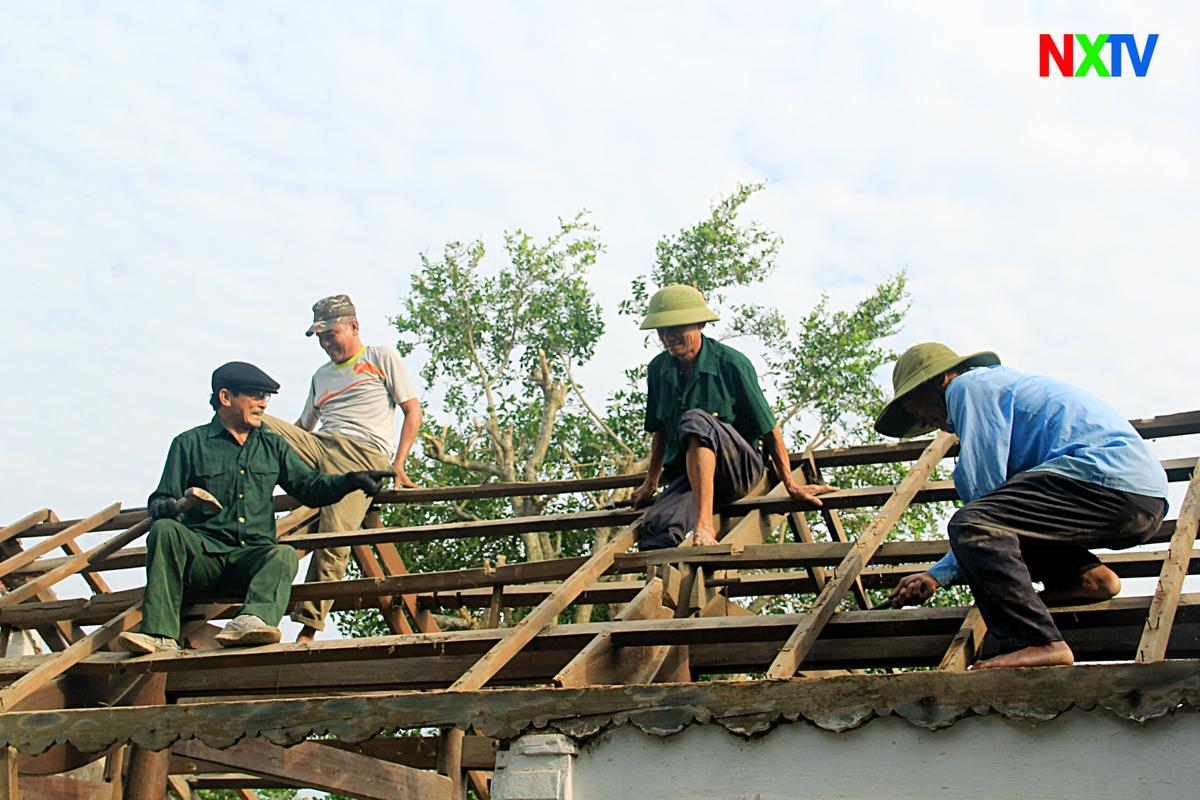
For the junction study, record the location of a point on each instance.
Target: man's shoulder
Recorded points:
(729, 355)
(382, 355)
(198, 433)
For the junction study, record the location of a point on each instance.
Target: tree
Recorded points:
(504, 343)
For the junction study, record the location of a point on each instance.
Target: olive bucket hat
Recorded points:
(918, 364)
(677, 304)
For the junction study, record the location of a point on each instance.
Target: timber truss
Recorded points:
(322, 714)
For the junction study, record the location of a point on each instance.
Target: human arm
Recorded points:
(408, 435)
(644, 494)
(806, 492)
(164, 500)
(981, 413)
(310, 413)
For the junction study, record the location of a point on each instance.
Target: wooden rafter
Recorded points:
(798, 645)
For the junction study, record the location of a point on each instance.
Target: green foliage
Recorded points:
(263, 794)
(504, 342)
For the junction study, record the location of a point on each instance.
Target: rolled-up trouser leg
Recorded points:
(265, 575)
(1053, 519)
(738, 468)
(331, 453)
(171, 550)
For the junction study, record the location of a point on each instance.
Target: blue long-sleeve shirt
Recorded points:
(1010, 422)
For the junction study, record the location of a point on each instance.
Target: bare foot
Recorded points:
(1094, 586)
(307, 634)
(1055, 654)
(705, 534)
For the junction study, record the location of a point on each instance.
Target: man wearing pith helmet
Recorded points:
(708, 417)
(1046, 471)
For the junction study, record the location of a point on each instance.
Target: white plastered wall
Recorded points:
(1077, 755)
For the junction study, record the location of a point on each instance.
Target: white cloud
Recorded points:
(180, 183)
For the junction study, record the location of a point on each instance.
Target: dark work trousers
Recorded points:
(1038, 526)
(739, 467)
(176, 558)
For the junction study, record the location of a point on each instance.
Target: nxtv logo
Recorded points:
(1092, 52)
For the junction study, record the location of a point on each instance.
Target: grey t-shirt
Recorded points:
(358, 397)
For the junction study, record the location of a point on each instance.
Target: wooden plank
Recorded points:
(862, 497)
(837, 532)
(1130, 690)
(1157, 633)
(180, 787)
(1166, 425)
(327, 769)
(61, 787)
(25, 523)
(967, 642)
(29, 554)
(11, 695)
(600, 662)
(73, 565)
(93, 579)
(369, 565)
(545, 613)
(798, 645)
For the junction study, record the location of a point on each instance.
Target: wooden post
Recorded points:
(1159, 621)
(147, 778)
(449, 760)
(800, 643)
(9, 790)
(114, 767)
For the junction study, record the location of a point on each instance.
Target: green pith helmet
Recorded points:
(677, 304)
(920, 363)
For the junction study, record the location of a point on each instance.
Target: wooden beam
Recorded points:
(327, 769)
(1157, 633)
(545, 613)
(967, 642)
(180, 787)
(68, 534)
(11, 695)
(601, 663)
(805, 635)
(24, 523)
(1134, 691)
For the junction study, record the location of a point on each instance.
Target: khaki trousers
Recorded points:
(331, 453)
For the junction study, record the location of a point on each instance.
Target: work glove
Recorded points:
(164, 508)
(370, 481)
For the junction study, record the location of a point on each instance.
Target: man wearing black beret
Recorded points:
(230, 546)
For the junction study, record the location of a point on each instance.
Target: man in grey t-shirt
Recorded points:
(354, 397)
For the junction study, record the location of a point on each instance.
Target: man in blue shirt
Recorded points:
(1046, 471)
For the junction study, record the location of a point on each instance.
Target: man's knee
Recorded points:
(962, 523)
(696, 424)
(285, 557)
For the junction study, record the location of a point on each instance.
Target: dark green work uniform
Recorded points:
(720, 404)
(234, 549)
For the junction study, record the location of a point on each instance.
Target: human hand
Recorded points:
(400, 479)
(808, 492)
(370, 481)
(644, 494)
(913, 590)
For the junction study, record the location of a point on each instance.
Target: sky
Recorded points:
(182, 181)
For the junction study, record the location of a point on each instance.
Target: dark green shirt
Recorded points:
(242, 477)
(723, 383)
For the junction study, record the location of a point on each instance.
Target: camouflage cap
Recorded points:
(328, 310)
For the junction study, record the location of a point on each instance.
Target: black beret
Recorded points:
(240, 375)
